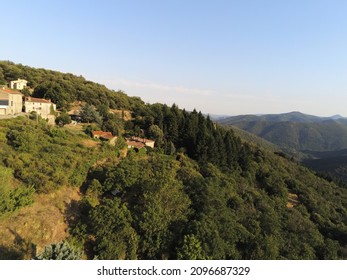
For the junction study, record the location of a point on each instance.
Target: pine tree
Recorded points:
(59, 251)
(191, 249)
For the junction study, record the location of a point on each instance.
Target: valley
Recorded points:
(319, 142)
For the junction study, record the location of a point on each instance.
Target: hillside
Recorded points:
(324, 136)
(331, 164)
(65, 88)
(295, 132)
(254, 139)
(305, 137)
(200, 193)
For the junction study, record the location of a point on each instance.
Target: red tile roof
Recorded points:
(135, 144)
(37, 100)
(103, 134)
(142, 140)
(7, 90)
(106, 136)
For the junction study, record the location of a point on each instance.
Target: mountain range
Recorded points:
(295, 132)
(294, 116)
(320, 142)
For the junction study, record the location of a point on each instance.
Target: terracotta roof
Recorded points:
(7, 90)
(106, 136)
(135, 144)
(142, 140)
(103, 134)
(37, 100)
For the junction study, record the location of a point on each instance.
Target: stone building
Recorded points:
(11, 102)
(43, 107)
(18, 84)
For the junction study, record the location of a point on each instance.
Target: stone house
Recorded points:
(43, 107)
(105, 136)
(18, 84)
(139, 143)
(144, 141)
(135, 144)
(11, 102)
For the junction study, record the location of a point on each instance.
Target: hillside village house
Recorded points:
(138, 142)
(43, 107)
(18, 84)
(11, 102)
(105, 136)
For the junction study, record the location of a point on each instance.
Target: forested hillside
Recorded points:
(297, 136)
(64, 88)
(318, 141)
(201, 193)
(296, 117)
(332, 165)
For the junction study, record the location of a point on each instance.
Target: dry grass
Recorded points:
(74, 127)
(41, 223)
(90, 143)
(293, 200)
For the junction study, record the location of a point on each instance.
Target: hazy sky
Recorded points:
(221, 57)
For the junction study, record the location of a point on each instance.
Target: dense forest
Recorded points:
(201, 193)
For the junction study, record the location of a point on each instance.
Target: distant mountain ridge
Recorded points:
(285, 117)
(295, 132)
(320, 142)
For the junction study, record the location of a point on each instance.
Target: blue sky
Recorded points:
(221, 57)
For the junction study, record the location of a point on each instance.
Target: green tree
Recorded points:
(113, 124)
(114, 236)
(94, 192)
(59, 251)
(2, 78)
(164, 209)
(13, 198)
(26, 91)
(63, 119)
(191, 249)
(89, 114)
(154, 132)
(53, 91)
(22, 138)
(103, 110)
